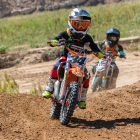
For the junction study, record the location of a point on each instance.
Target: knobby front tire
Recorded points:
(68, 107)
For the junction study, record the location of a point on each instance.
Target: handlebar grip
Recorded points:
(49, 42)
(93, 52)
(55, 44)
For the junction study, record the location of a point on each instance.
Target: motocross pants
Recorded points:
(114, 66)
(53, 78)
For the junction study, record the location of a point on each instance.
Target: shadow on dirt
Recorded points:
(98, 124)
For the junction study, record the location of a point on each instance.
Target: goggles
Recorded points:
(112, 38)
(80, 25)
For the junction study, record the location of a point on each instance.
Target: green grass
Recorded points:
(3, 49)
(36, 90)
(8, 85)
(41, 27)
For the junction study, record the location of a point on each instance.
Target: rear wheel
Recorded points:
(97, 84)
(70, 103)
(55, 110)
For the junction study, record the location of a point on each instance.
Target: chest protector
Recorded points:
(107, 48)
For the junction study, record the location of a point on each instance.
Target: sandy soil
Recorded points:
(27, 76)
(112, 114)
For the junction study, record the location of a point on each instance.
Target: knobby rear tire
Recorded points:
(67, 111)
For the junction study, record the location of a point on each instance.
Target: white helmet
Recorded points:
(78, 22)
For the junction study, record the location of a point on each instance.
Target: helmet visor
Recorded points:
(112, 38)
(80, 25)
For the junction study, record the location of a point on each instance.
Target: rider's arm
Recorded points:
(102, 46)
(94, 47)
(122, 53)
(61, 35)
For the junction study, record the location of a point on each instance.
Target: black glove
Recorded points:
(122, 56)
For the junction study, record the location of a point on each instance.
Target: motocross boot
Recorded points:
(113, 84)
(49, 88)
(82, 103)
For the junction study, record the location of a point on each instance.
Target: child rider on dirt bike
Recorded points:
(112, 37)
(78, 25)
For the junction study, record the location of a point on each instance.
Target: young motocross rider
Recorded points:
(78, 25)
(112, 37)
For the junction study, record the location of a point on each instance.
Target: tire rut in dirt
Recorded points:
(55, 110)
(66, 114)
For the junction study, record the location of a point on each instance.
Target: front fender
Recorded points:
(78, 72)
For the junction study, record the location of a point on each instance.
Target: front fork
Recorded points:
(66, 82)
(104, 79)
(63, 88)
(110, 77)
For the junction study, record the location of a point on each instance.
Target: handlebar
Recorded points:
(69, 45)
(111, 55)
(60, 43)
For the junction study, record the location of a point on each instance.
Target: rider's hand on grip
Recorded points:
(49, 42)
(122, 56)
(53, 43)
(68, 45)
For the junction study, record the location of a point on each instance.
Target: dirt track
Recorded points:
(28, 75)
(112, 114)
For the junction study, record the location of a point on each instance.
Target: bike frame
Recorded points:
(73, 72)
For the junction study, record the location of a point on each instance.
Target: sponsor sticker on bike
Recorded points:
(78, 60)
(66, 76)
(104, 62)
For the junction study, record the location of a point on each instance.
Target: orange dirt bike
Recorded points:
(68, 87)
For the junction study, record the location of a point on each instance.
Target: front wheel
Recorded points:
(70, 102)
(97, 84)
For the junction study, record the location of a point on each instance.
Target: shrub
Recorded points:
(35, 90)
(3, 49)
(9, 85)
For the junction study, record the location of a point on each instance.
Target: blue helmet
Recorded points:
(76, 17)
(112, 37)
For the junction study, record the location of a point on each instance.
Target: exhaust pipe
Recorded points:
(56, 89)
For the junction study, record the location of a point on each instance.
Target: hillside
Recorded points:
(23, 7)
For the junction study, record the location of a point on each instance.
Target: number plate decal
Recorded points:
(104, 62)
(78, 60)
